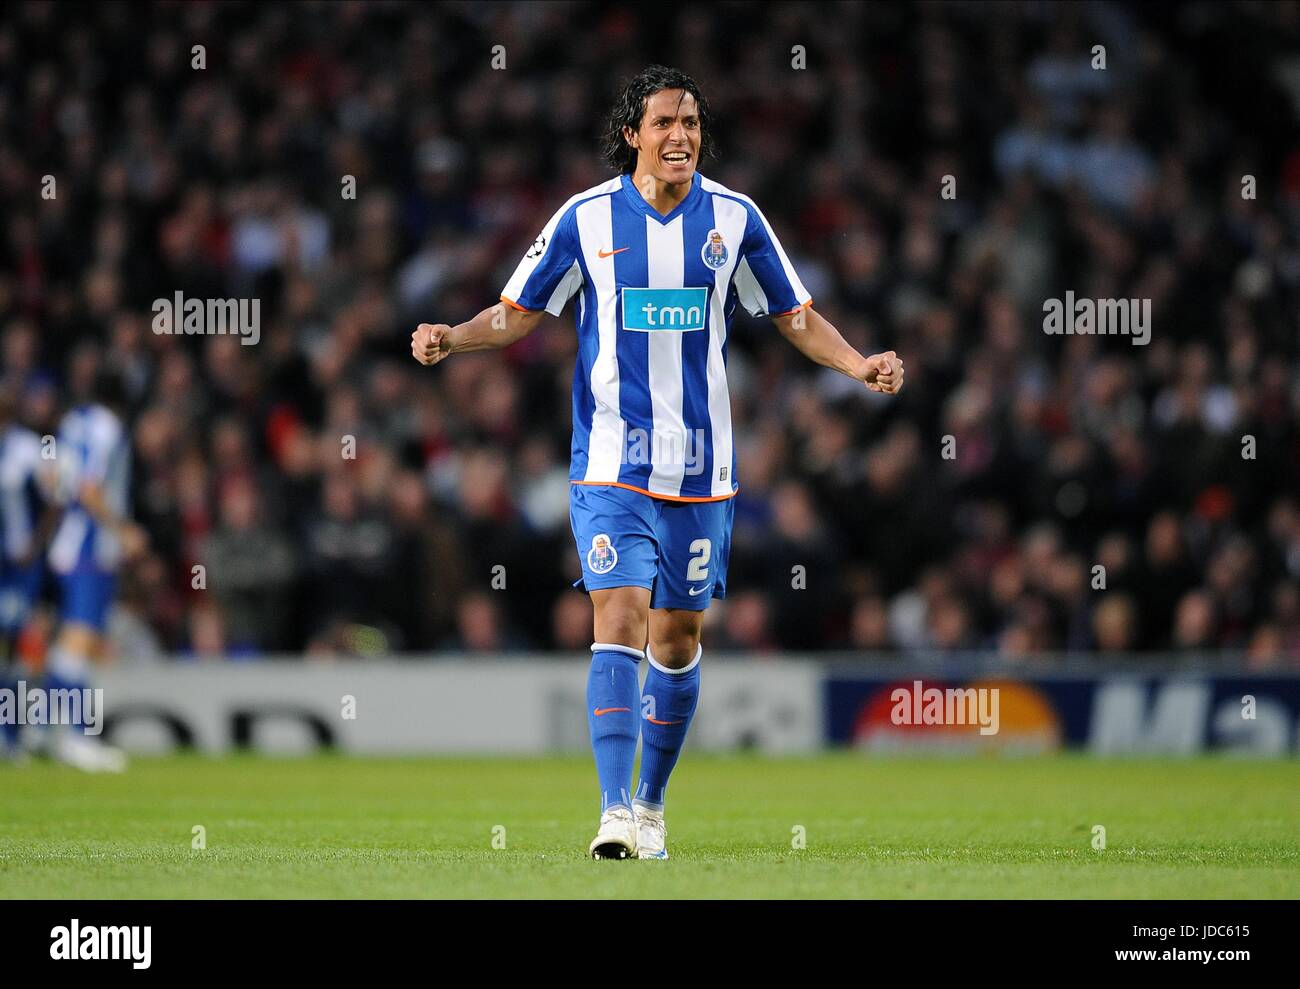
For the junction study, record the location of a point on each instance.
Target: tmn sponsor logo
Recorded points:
(921, 705)
(103, 943)
(23, 705)
(209, 317)
(673, 309)
(1099, 317)
(666, 448)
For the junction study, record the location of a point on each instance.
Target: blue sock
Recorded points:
(667, 706)
(613, 692)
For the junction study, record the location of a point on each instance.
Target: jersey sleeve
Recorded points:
(766, 283)
(549, 273)
(103, 450)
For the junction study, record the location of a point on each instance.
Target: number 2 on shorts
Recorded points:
(698, 569)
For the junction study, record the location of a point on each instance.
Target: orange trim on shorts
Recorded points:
(652, 494)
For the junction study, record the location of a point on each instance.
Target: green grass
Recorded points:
(369, 828)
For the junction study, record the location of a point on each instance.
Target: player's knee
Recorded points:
(623, 626)
(676, 651)
(79, 638)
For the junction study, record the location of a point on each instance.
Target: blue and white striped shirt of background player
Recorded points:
(20, 499)
(20, 508)
(656, 295)
(92, 446)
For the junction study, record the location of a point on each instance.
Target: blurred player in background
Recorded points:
(658, 258)
(21, 567)
(94, 537)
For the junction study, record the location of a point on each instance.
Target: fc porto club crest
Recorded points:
(714, 252)
(602, 557)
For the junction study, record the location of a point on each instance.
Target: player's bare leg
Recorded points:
(667, 705)
(622, 615)
(613, 702)
(75, 648)
(675, 636)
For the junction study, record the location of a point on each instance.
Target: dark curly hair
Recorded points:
(629, 108)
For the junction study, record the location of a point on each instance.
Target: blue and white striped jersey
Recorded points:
(655, 299)
(20, 499)
(93, 447)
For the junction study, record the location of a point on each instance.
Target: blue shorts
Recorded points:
(677, 549)
(86, 596)
(19, 589)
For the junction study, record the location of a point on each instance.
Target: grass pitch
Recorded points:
(372, 828)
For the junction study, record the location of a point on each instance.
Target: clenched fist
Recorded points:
(431, 342)
(133, 540)
(883, 372)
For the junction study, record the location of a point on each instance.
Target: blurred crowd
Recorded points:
(1026, 493)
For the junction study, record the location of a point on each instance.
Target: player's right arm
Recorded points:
(544, 281)
(499, 326)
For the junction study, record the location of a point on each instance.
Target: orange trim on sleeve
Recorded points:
(662, 497)
(515, 305)
(806, 305)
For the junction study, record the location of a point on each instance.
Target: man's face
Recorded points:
(668, 140)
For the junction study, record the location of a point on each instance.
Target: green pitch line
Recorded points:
(365, 828)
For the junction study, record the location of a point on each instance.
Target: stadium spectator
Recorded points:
(969, 513)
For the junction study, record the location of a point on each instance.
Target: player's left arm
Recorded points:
(133, 537)
(816, 338)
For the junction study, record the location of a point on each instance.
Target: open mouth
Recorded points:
(677, 157)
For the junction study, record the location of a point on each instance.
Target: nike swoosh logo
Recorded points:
(605, 710)
(610, 254)
(694, 592)
(656, 721)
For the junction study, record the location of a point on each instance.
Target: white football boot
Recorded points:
(651, 834)
(616, 838)
(91, 756)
